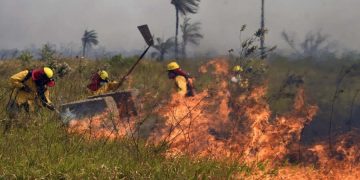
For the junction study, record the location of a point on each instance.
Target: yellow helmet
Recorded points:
(103, 75)
(173, 66)
(237, 68)
(49, 72)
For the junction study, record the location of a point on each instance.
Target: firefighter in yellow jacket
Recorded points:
(101, 84)
(31, 89)
(237, 77)
(182, 79)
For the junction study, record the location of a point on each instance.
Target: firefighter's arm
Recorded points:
(107, 87)
(45, 98)
(16, 80)
(49, 104)
(100, 91)
(113, 85)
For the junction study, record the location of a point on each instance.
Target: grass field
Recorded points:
(40, 147)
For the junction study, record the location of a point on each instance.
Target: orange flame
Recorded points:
(218, 124)
(104, 125)
(208, 126)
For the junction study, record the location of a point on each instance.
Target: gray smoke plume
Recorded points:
(24, 22)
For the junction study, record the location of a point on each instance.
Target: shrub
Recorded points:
(119, 61)
(25, 57)
(61, 69)
(47, 53)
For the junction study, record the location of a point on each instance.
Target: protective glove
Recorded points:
(50, 107)
(234, 79)
(26, 88)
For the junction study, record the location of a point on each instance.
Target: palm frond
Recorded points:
(186, 6)
(191, 32)
(90, 38)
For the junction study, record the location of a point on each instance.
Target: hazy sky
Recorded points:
(26, 22)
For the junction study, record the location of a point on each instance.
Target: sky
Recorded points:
(27, 22)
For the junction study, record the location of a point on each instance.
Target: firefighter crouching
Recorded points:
(30, 91)
(100, 83)
(183, 81)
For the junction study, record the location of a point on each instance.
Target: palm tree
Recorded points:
(88, 40)
(162, 47)
(184, 7)
(190, 35)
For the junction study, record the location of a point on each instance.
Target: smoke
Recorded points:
(37, 22)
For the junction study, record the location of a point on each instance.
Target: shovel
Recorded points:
(145, 32)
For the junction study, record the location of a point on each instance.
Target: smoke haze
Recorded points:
(24, 22)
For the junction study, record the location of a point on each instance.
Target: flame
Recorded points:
(198, 125)
(276, 139)
(218, 124)
(104, 125)
(208, 130)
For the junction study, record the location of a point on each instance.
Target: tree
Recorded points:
(242, 29)
(47, 53)
(25, 57)
(162, 47)
(262, 27)
(184, 7)
(190, 35)
(88, 40)
(315, 45)
(250, 50)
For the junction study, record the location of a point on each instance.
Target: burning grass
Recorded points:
(104, 125)
(225, 134)
(201, 127)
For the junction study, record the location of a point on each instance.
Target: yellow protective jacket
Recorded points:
(106, 87)
(21, 97)
(181, 85)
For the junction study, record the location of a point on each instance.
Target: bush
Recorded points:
(47, 53)
(119, 61)
(61, 69)
(25, 57)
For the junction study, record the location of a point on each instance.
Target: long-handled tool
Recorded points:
(145, 32)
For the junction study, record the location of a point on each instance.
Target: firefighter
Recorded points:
(237, 70)
(31, 89)
(237, 77)
(183, 81)
(101, 84)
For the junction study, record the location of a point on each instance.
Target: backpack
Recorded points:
(28, 76)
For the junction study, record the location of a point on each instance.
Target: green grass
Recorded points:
(43, 148)
(320, 85)
(40, 147)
